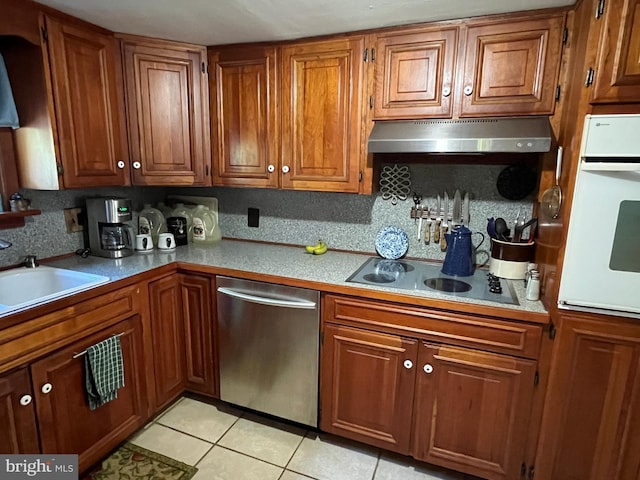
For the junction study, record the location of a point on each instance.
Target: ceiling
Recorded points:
(216, 22)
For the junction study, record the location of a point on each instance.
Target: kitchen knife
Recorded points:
(465, 210)
(457, 208)
(436, 231)
(427, 228)
(445, 223)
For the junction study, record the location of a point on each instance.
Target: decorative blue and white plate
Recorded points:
(392, 243)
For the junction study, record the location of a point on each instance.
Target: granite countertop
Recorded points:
(332, 268)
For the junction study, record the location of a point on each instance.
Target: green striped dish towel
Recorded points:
(103, 372)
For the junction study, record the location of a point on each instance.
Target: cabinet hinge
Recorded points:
(558, 92)
(370, 102)
(552, 331)
(589, 80)
(206, 170)
(565, 36)
(523, 470)
(600, 9)
(204, 68)
(532, 472)
(536, 378)
(43, 32)
(60, 169)
(366, 55)
(373, 54)
(360, 176)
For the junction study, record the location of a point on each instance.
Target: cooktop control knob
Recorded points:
(494, 283)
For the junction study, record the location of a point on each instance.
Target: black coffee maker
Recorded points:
(109, 232)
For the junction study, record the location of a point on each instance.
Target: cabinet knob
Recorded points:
(46, 388)
(285, 169)
(446, 91)
(428, 368)
(271, 169)
(25, 400)
(408, 364)
(120, 164)
(137, 165)
(468, 90)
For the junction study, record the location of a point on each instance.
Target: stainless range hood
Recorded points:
(473, 135)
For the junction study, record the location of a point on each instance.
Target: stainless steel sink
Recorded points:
(22, 288)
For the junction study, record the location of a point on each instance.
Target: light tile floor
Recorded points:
(226, 443)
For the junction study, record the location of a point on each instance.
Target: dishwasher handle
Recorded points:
(302, 304)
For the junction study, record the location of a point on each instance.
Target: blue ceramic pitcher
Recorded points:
(458, 261)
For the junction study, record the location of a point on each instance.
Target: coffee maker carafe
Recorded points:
(109, 233)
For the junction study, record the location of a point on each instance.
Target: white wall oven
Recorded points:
(601, 269)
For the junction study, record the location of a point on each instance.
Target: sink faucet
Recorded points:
(30, 261)
(4, 244)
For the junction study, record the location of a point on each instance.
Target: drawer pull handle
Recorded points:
(25, 400)
(408, 364)
(46, 388)
(428, 368)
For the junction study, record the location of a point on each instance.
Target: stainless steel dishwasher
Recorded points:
(268, 345)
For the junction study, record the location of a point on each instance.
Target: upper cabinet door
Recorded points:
(414, 73)
(512, 67)
(322, 115)
(86, 103)
(168, 112)
(617, 76)
(245, 117)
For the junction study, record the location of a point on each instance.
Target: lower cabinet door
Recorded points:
(18, 431)
(67, 425)
(197, 310)
(167, 331)
(472, 410)
(367, 386)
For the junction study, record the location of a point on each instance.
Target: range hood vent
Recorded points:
(474, 135)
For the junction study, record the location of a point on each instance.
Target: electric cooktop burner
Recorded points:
(420, 275)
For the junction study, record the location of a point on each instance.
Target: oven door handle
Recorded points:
(302, 304)
(595, 166)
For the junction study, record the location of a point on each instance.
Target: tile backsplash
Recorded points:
(344, 221)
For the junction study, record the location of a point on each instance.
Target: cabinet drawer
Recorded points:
(33, 338)
(498, 336)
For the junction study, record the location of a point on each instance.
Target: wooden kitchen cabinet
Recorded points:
(617, 71)
(66, 423)
(166, 88)
(472, 410)
(414, 73)
(245, 117)
(18, 430)
(511, 66)
(198, 309)
(89, 124)
(368, 382)
(167, 332)
(591, 422)
(428, 383)
(322, 88)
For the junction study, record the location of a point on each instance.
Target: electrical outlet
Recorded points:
(72, 220)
